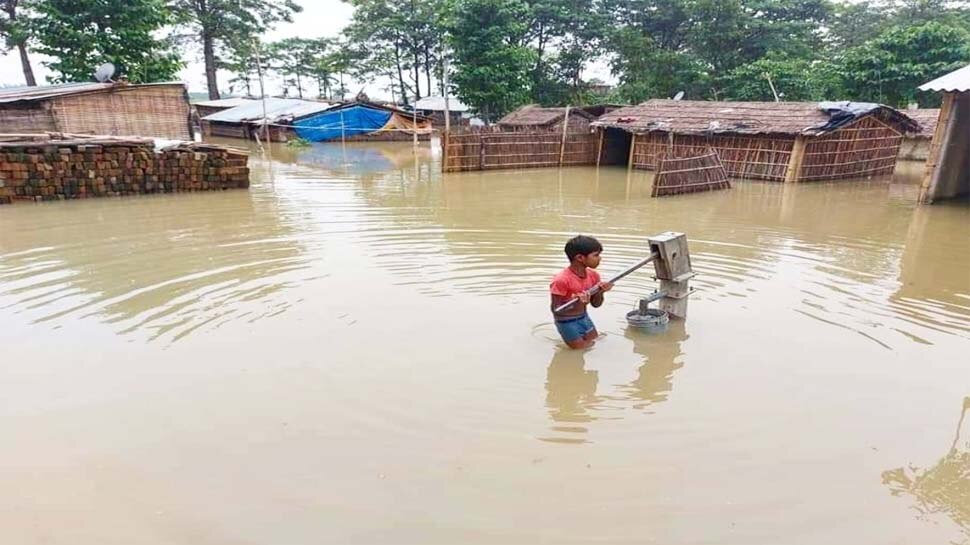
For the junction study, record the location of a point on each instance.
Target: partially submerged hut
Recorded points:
(210, 107)
(363, 122)
(778, 141)
(534, 117)
(246, 120)
(916, 145)
(157, 110)
(434, 109)
(948, 166)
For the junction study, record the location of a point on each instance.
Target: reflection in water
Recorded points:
(945, 487)
(570, 395)
(662, 355)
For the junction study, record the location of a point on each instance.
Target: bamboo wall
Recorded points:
(157, 111)
(746, 157)
(34, 117)
(493, 148)
(867, 147)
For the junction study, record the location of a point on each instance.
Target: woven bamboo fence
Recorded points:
(496, 148)
(867, 147)
(679, 175)
(748, 157)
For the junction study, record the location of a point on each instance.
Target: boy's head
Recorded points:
(584, 250)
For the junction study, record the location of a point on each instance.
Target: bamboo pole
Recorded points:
(599, 148)
(633, 150)
(565, 130)
(795, 161)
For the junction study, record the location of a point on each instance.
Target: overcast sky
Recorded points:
(320, 18)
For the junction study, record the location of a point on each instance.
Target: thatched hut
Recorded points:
(777, 141)
(534, 117)
(246, 120)
(916, 145)
(948, 166)
(158, 110)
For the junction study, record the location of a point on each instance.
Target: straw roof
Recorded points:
(927, 118)
(782, 118)
(539, 116)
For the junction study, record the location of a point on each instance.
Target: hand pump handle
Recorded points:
(595, 289)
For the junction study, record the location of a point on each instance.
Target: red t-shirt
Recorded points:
(568, 284)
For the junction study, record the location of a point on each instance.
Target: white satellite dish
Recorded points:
(105, 72)
(679, 96)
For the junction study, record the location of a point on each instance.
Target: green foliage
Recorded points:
(795, 79)
(223, 26)
(82, 34)
(13, 27)
(889, 68)
(492, 71)
(298, 143)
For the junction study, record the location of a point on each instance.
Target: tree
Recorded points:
(889, 68)
(400, 39)
(296, 58)
(218, 24)
(795, 79)
(492, 70)
(81, 34)
(14, 30)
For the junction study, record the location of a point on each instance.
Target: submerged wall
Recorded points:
(41, 171)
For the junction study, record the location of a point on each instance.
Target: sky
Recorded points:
(319, 19)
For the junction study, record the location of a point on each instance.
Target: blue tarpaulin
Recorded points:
(345, 122)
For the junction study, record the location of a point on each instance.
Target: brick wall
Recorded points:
(70, 170)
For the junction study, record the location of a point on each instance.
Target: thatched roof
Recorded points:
(780, 118)
(534, 115)
(927, 118)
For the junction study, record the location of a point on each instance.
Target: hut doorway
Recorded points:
(616, 147)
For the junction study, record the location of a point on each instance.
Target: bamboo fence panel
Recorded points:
(748, 157)
(679, 175)
(158, 111)
(865, 148)
(495, 148)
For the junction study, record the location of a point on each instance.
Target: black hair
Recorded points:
(582, 245)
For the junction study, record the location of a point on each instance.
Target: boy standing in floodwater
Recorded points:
(576, 280)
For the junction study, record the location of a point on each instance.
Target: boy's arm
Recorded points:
(597, 300)
(558, 300)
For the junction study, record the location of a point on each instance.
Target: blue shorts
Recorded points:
(576, 328)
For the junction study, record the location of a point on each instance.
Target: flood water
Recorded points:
(359, 350)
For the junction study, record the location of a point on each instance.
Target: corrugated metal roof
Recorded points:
(224, 102)
(277, 109)
(18, 94)
(697, 117)
(956, 81)
(437, 104)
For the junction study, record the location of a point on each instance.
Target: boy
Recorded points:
(573, 323)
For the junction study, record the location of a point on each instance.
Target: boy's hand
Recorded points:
(605, 286)
(583, 297)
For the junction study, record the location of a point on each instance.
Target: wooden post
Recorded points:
(565, 130)
(481, 152)
(796, 160)
(633, 150)
(444, 151)
(932, 172)
(599, 148)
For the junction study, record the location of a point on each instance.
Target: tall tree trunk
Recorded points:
(417, 75)
(209, 52)
(341, 86)
(400, 74)
(299, 85)
(427, 68)
(25, 63)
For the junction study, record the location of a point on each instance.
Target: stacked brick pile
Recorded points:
(78, 169)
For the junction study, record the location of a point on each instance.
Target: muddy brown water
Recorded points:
(358, 350)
